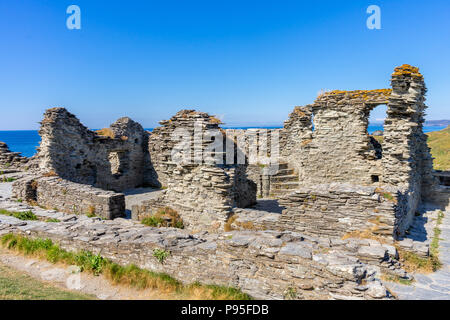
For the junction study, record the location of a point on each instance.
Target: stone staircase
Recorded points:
(284, 182)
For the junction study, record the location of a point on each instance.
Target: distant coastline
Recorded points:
(444, 123)
(26, 141)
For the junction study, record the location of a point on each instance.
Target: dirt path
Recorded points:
(68, 277)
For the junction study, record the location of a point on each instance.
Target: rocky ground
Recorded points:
(83, 228)
(68, 277)
(433, 286)
(137, 196)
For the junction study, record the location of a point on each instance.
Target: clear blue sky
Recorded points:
(249, 62)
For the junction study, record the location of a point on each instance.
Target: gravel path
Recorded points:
(69, 277)
(433, 286)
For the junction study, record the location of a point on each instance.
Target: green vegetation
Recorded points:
(15, 285)
(153, 221)
(165, 217)
(4, 179)
(439, 142)
(52, 220)
(290, 294)
(25, 215)
(434, 246)
(129, 275)
(160, 255)
(387, 195)
(397, 279)
(413, 262)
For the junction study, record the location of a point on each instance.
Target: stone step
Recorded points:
(278, 193)
(284, 186)
(285, 178)
(283, 166)
(284, 172)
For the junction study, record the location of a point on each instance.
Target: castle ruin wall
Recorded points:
(65, 196)
(117, 162)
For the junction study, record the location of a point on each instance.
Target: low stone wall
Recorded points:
(10, 160)
(148, 208)
(337, 209)
(70, 197)
(266, 265)
(204, 196)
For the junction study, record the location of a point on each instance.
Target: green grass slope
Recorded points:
(15, 285)
(439, 142)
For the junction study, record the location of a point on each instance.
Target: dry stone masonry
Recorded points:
(10, 160)
(334, 202)
(203, 192)
(117, 161)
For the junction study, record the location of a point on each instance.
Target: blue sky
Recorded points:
(248, 62)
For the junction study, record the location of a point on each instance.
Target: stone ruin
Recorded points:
(11, 160)
(331, 181)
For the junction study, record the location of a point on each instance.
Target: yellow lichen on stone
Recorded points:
(407, 70)
(299, 112)
(355, 94)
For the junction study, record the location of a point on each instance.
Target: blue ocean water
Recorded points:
(26, 142)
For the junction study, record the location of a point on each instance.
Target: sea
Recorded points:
(26, 141)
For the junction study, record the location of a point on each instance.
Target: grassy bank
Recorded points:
(15, 285)
(439, 142)
(415, 263)
(130, 275)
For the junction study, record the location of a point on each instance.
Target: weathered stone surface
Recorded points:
(116, 162)
(10, 160)
(62, 195)
(203, 192)
(230, 259)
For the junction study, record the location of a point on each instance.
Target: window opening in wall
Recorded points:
(375, 129)
(119, 162)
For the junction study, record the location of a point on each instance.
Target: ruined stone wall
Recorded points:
(340, 149)
(117, 160)
(296, 133)
(407, 161)
(337, 209)
(266, 265)
(11, 160)
(74, 198)
(254, 146)
(202, 191)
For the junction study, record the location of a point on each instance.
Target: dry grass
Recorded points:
(369, 233)
(130, 275)
(215, 120)
(298, 111)
(439, 142)
(387, 195)
(227, 226)
(91, 212)
(397, 279)
(15, 285)
(246, 225)
(165, 217)
(106, 132)
(380, 139)
(50, 174)
(414, 263)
